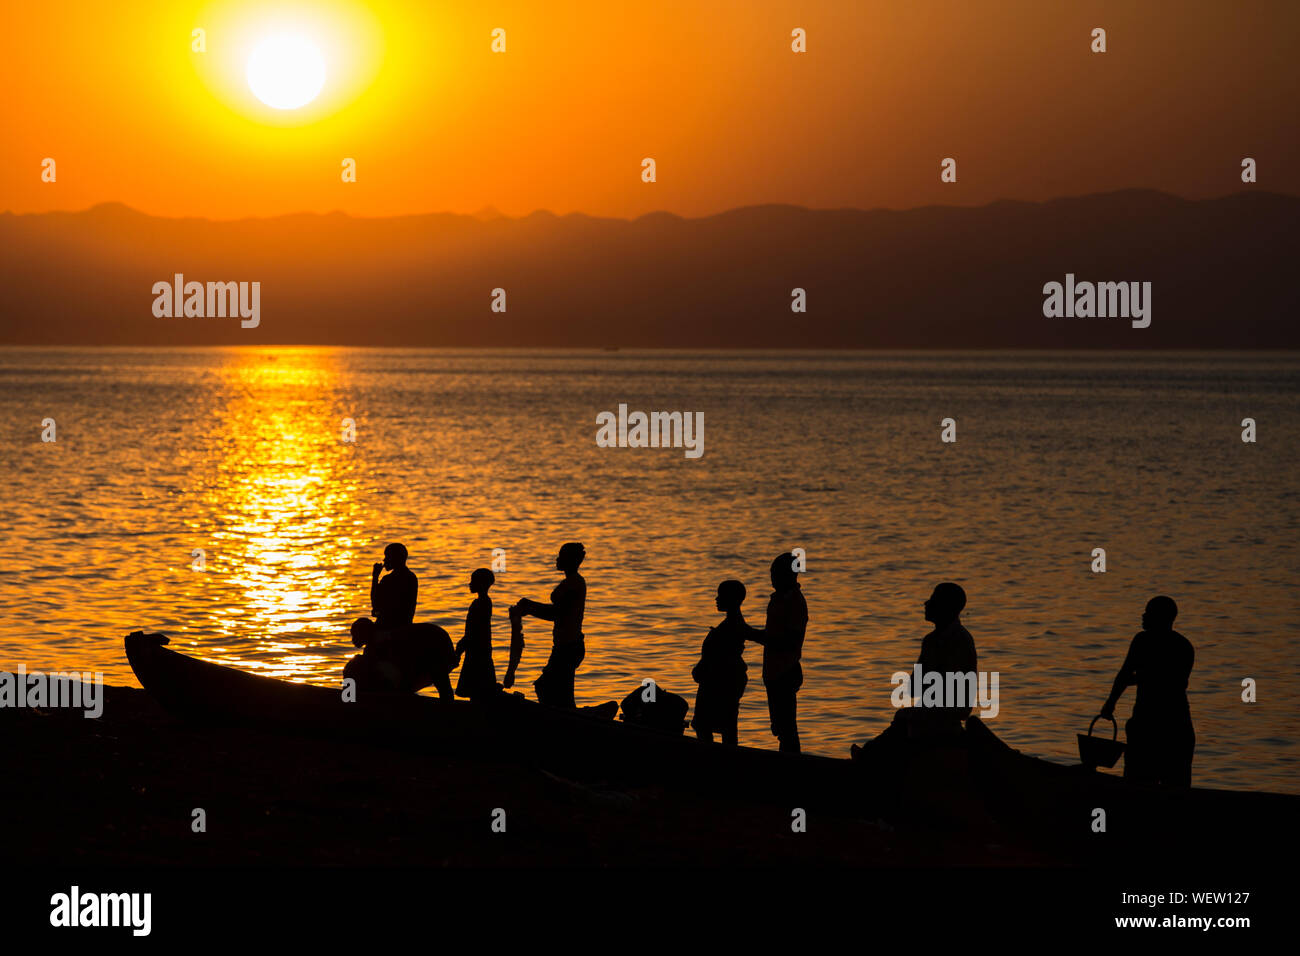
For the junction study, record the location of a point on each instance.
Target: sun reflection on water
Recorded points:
(283, 504)
(239, 452)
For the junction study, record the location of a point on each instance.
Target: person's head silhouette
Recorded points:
(1160, 614)
(395, 556)
(481, 580)
(784, 576)
(731, 594)
(363, 629)
(570, 557)
(945, 604)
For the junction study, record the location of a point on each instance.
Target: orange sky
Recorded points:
(587, 88)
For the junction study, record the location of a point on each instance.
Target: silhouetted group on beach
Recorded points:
(401, 655)
(722, 673)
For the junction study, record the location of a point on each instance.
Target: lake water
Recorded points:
(239, 453)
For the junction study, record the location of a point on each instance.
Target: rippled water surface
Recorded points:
(239, 453)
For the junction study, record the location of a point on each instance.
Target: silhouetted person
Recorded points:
(721, 672)
(568, 601)
(392, 598)
(403, 660)
(782, 640)
(948, 649)
(478, 674)
(1161, 738)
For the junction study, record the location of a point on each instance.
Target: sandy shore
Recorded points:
(121, 789)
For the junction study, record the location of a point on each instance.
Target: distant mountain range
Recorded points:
(1223, 274)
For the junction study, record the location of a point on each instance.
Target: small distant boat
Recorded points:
(982, 783)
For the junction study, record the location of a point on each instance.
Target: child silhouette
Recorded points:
(478, 674)
(721, 672)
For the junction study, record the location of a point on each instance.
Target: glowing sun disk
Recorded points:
(286, 71)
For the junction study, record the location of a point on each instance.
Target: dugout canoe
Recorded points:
(511, 727)
(983, 784)
(1090, 816)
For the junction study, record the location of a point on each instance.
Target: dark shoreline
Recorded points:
(120, 790)
(352, 837)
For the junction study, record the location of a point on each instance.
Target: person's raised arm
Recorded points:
(1123, 679)
(377, 570)
(547, 612)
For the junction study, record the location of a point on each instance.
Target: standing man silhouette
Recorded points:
(782, 640)
(1161, 738)
(568, 644)
(392, 598)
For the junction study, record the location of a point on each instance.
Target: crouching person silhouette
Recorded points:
(947, 650)
(403, 660)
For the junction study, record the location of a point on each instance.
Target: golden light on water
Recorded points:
(239, 452)
(284, 505)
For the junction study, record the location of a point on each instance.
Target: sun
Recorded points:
(290, 64)
(286, 71)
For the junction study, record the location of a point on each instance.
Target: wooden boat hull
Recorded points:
(982, 784)
(511, 727)
(1080, 814)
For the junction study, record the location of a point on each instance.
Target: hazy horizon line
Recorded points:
(490, 213)
(792, 350)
